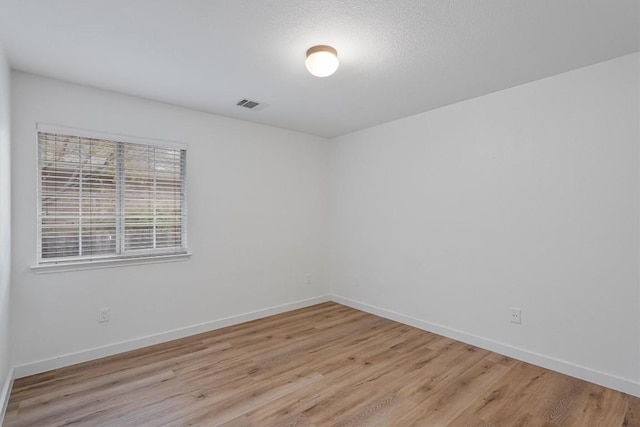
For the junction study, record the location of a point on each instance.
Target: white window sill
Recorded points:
(106, 263)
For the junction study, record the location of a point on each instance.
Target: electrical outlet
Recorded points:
(356, 283)
(104, 315)
(308, 280)
(516, 315)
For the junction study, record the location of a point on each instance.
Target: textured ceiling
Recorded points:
(398, 57)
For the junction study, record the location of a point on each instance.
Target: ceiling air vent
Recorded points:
(251, 105)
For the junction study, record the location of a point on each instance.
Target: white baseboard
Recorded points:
(621, 384)
(5, 393)
(109, 350)
(617, 383)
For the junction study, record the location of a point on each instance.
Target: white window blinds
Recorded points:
(101, 198)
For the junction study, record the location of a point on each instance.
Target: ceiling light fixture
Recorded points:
(322, 61)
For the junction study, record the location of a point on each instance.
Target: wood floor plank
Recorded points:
(219, 411)
(446, 402)
(632, 414)
(325, 365)
(502, 404)
(594, 411)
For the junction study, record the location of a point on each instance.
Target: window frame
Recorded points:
(132, 256)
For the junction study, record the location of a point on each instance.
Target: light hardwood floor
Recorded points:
(326, 365)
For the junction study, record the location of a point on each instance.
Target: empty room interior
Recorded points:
(320, 213)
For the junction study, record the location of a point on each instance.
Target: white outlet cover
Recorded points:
(104, 315)
(516, 315)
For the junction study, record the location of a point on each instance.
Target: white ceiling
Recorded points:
(398, 57)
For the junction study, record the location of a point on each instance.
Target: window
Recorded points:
(103, 197)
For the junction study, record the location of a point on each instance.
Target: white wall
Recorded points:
(527, 197)
(257, 225)
(5, 229)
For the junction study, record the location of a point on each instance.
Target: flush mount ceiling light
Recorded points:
(322, 61)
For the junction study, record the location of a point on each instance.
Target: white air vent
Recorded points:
(251, 105)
